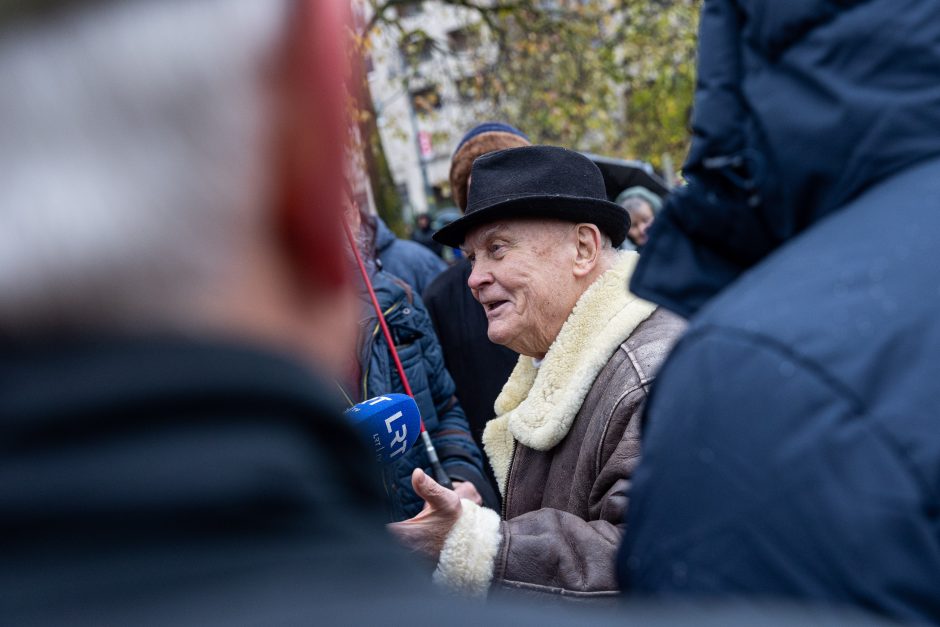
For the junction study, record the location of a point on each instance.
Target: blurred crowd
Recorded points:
(713, 405)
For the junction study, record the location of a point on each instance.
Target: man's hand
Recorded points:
(426, 532)
(466, 490)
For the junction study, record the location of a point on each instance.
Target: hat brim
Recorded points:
(612, 219)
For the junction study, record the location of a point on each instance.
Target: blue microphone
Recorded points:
(390, 423)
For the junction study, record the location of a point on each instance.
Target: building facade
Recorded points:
(428, 90)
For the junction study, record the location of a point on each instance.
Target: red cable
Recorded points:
(378, 311)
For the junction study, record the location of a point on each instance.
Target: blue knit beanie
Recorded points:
(480, 140)
(490, 127)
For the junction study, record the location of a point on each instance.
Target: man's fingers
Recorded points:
(436, 495)
(424, 485)
(466, 490)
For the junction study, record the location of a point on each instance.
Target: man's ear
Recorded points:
(589, 242)
(311, 80)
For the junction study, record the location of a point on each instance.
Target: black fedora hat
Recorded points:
(537, 182)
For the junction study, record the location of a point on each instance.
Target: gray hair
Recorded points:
(635, 203)
(133, 142)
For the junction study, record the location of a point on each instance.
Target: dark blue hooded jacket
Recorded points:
(433, 389)
(415, 264)
(792, 444)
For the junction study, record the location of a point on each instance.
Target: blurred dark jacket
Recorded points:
(410, 261)
(426, 239)
(169, 482)
(433, 390)
(479, 367)
(174, 482)
(792, 446)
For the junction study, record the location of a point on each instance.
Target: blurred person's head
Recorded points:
(155, 158)
(642, 205)
(423, 221)
(641, 219)
(480, 140)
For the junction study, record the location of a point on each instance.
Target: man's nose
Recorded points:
(478, 278)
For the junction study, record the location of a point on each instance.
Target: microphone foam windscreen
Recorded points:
(390, 423)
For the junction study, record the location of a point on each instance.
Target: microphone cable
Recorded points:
(439, 474)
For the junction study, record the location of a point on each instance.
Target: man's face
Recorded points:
(522, 275)
(641, 218)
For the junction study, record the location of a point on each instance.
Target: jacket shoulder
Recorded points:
(389, 288)
(413, 252)
(651, 342)
(620, 389)
(636, 361)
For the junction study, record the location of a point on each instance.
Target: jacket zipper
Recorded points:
(512, 462)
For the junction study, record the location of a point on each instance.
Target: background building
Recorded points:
(610, 77)
(428, 88)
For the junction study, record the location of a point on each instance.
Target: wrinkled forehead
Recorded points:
(478, 237)
(515, 229)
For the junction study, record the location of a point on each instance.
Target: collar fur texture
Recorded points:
(538, 405)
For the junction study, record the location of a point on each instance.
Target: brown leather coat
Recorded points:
(563, 446)
(563, 508)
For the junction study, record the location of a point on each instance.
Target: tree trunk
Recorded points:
(387, 201)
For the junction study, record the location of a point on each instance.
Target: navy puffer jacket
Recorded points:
(800, 107)
(413, 263)
(792, 442)
(433, 389)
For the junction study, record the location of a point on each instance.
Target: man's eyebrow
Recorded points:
(486, 235)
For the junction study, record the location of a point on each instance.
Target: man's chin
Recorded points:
(496, 337)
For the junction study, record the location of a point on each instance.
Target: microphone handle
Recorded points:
(439, 475)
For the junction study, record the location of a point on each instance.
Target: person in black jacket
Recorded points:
(792, 444)
(479, 367)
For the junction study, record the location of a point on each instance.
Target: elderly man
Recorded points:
(542, 237)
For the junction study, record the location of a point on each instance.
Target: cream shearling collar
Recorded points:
(537, 406)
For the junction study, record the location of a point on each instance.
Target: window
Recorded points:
(442, 195)
(474, 87)
(416, 47)
(467, 89)
(427, 99)
(463, 39)
(411, 9)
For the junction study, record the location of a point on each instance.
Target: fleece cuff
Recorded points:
(469, 555)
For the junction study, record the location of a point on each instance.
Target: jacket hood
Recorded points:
(383, 236)
(799, 108)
